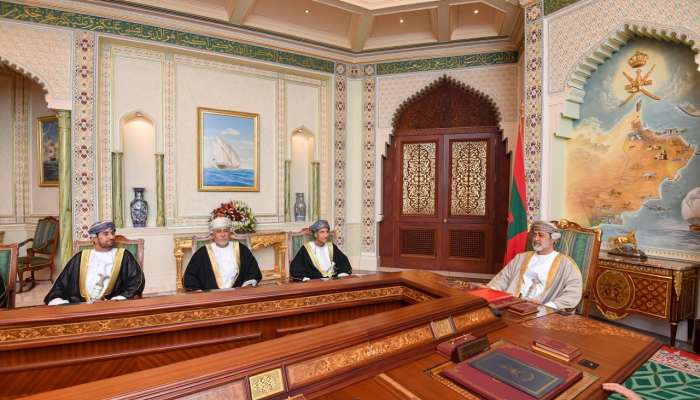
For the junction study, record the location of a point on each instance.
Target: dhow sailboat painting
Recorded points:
(228, 150)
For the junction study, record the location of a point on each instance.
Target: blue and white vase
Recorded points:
(300, 208)
(139, 209)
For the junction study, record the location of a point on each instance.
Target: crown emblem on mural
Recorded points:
(639, 59)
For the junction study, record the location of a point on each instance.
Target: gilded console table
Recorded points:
(657, 288)
(257, 240)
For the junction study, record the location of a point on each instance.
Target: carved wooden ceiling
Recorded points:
(358, 25)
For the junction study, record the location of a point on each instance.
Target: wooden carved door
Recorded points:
(445, 199)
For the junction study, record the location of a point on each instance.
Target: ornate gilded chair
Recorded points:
(8, 271)
(133, 246)
(2, 236)
(582, 245)
(42, 254)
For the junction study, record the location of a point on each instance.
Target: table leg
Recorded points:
(674, 328)
(691, 328)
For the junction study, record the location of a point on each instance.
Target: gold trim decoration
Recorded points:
(471, 319)
(579, 325)
(611, 315)
(234, 390)
(419, 178)
(84, 259)
(116, 269)
(306, 371)
(469, 165)
(201, 186)
(41, 151)
(266, 384)
(523, 269)
(442, 328)
(309, 246)
(678, 284)
(13, 335)
(613, 289)
(215, 264)
(85, 262)
(278, 241)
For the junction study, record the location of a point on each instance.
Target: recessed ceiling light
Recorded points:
(306, 11)
(401, 21)
(476, 11)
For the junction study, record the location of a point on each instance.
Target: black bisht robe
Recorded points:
(130, 281)
(199, 274)
(302, 266)
(3, 294)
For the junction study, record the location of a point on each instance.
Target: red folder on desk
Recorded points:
(491, 295)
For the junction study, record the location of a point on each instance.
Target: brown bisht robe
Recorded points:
(202, 272)
(563, 287)
(305, 265)
(127, 278)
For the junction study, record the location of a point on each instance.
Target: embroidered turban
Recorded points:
(544, 226)
(220, 223)
(101, 226)
(318, 225)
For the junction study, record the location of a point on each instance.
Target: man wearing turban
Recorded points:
(101, 273)
(319, 259)
(222, 263)
(544, 276)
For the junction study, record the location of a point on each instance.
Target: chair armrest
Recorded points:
(25, 242)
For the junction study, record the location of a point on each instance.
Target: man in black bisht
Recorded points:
(223, 263)
(319, 258)
(101, 273)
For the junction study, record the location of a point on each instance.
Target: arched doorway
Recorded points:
(445, 190)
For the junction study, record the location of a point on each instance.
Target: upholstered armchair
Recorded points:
(8, 271)
(133, 246)
(582, 245)
(42, 253)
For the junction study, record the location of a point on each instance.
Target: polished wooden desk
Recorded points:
(382, 356)
(44, 348)
(656, 288)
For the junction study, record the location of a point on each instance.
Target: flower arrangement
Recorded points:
(239, 213)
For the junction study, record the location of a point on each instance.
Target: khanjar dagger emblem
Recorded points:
(636, 84)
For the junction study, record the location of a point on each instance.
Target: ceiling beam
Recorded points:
(238, 10)
(360, 28)
(444, 23)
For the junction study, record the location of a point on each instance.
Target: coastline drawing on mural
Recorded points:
(633, 161)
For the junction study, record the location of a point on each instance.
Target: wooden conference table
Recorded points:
(372, 337)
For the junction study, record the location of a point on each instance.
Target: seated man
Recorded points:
(543, 276)
(319, 259)
(103, 272)
(221, 264)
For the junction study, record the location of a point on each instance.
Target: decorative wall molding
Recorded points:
(341, 113)
(21, 134)
(583, 37)
(41, 53)
(551, 6)
(83, 134)
(533, 108)
(369, 84)
(108, 129)
(498, 82)
(444, 63)
(133, 30)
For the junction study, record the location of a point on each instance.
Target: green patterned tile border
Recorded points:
(431, 64)
(66, 19)
(551, 6)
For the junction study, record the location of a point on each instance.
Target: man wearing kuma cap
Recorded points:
(223, 263)
(101, 273)
(543, 276)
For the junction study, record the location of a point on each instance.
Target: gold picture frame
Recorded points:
(46, 153)
(228, 147)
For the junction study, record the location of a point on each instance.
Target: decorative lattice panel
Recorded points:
(468, 187)
(418, 242)
(467, 244)
(419, 178)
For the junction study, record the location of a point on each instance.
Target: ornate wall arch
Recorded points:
(44, 55)
(588, 63)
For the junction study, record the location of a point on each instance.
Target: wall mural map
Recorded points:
(633, 162)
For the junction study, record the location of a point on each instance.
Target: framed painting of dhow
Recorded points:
(228, 151)
(47, 150)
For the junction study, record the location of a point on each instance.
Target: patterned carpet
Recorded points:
(669, 374)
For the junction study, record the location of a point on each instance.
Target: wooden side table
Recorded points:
(657, 288)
